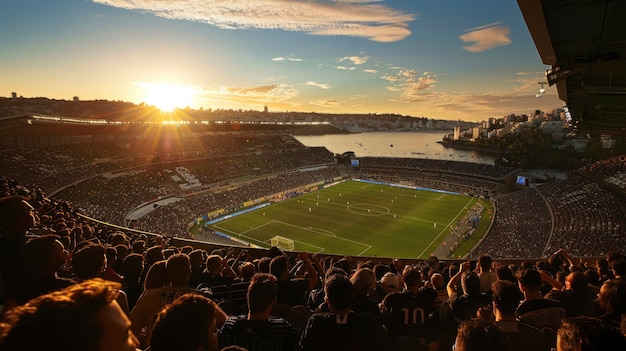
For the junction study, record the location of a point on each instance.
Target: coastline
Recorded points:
(452, 145)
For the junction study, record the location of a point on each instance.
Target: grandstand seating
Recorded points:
(107, 181)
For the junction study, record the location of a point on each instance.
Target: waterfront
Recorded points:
(395, 144)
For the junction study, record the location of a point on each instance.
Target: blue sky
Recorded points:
(454, 59)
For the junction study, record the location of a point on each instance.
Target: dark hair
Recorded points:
(613, 295)
(412, 276)
(261, 292)
(481, 335)
(278, 266)
(506, 296)
(529, 278)
(184, 324)
(88, 261)
(589, 334)
(470, 283)
(339, 291)
(61, 320)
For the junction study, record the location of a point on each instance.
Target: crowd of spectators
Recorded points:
(83, 285)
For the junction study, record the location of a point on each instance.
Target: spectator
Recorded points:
(214, 272)
(481, 335)
(612, 301)
(544, 314)
(585, 333)
(576, 296)
(464, 304)
(485, 273)
(187, 324)
(259, 330)
(16, 218)
(43, 258)
(132, 271)
(82, 317)
(341, 329)
(406, 313)
(292, 290)
(438, 282)
(150, 303)
(506, 297)
(156, 276)
(363, 283)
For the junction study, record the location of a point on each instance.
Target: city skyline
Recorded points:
(458, 60)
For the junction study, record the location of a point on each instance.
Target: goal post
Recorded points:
(282, 242)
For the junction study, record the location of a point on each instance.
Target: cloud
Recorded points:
(346, 68)
(260, 94)
(486, 37)
(411, 85)
(356, 18)
(319, 85)
(280, 58)
(354, 59)
(328, 103)
(370, 71)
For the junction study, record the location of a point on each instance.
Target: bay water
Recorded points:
(395, 144)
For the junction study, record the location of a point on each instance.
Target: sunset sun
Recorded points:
(167, 97)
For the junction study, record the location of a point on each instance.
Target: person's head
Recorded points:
(363, 280)
(16, 215)
(196, 258)
(612, 296)
(279, 267)
(470, 282)
(618, 266)
(588, 334)
(576, 281)
(484, 263)
(246, 270)
(529, 279)
(339, 293)
(504, 272)
(44, 256)
(156, 277)
(89, 261)
(390, 282)
(506, 297)
(138, 246)
(154, 254)
(214, 264)
(83, 317)
(412, 277)
(262, 293)
(132, 267)
(481, 335)
(187, 324)
(178, 269)
(438, 281)
(263, 264)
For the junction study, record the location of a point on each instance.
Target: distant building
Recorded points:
(75, 98)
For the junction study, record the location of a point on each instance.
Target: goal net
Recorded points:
(282, 242)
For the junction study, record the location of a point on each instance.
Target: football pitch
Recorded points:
(355, 218)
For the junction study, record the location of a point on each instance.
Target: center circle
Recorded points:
(368, 209)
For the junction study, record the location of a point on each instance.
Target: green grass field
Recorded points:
(355, 218)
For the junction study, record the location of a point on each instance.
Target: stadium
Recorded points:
(245, 194)
(170, 181)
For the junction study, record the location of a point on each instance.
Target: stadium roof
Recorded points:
(585, 43)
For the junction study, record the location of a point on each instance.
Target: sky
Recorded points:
(453, 59)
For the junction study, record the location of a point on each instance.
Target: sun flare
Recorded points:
(167, 97)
